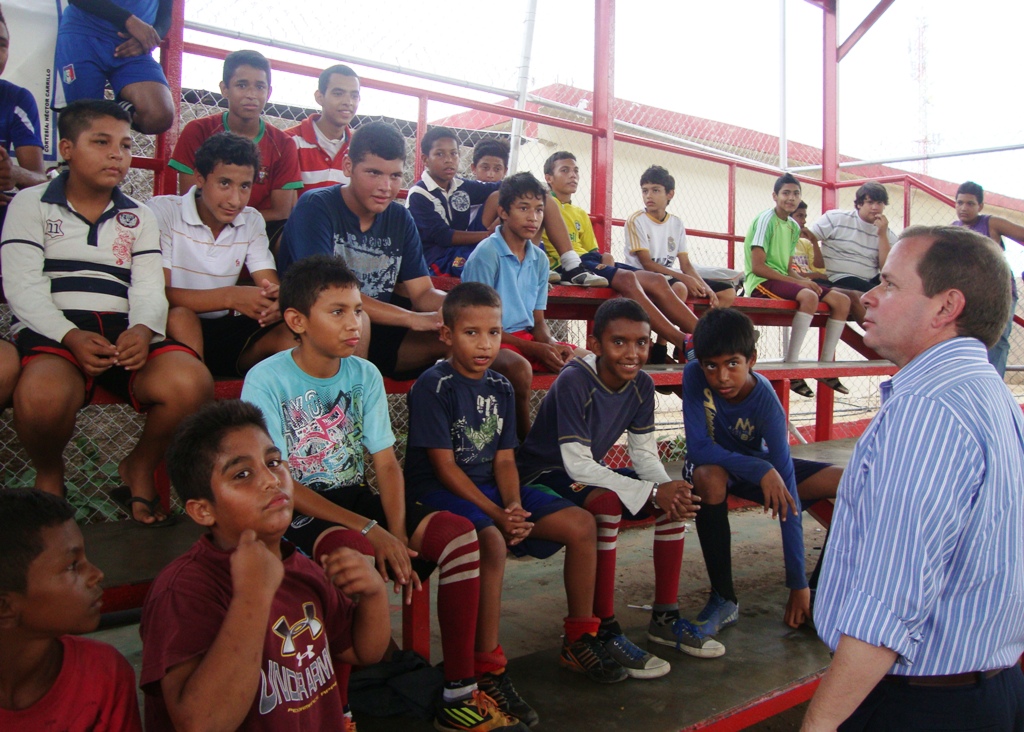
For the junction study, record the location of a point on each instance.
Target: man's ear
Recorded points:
(201, 510)
(952, 303)
(295, 320)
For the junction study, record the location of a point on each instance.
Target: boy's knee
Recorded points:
(492, 546)
(710, 482)
(181, 380)
(47, 392)
(154, 116)
(582, 527)
(516, 369)
(625, 282)
(807, 300)
(680, 289)
(337, 537)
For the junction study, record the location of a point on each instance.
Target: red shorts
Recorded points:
(779, 290)
(528, 336)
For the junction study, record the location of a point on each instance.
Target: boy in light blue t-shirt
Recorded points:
(323, 407)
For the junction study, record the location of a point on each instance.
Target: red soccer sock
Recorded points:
(492, 662)
(668, 559)
(576, 628)
(450, 541)
(608, 513)
(337, 537)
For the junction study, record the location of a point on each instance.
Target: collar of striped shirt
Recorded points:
(57, 193)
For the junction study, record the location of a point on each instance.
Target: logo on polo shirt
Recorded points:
(460, 201)
(262, 176)
(53, 230)
(127, 219)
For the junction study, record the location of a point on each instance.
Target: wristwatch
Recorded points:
(654, 496)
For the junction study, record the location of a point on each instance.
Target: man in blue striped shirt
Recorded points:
(922, 593)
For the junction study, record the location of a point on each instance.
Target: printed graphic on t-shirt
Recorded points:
(366, 257)
(470, 442)
(324, 433)
(299, 670)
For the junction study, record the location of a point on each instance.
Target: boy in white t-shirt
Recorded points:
(206, 236)
(656, 241)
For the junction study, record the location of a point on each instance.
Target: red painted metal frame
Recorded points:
(830, 106)
(864, 27)
(761, 708)
(603, 140)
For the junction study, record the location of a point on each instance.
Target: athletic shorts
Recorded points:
(85, 64)
(539, 503)
(360, 499)
(528, 336)
(803, 469)
(715, 285)
(779, 290)
(559, 482)
(226, 338)
(117, 380)
(849, 282)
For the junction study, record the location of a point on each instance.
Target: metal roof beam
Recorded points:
(864, 27)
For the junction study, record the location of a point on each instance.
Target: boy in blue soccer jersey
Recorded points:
(461, 459)
(90, 308)
(112, 40)
(19, 126)
(737, 442)
(323, 408)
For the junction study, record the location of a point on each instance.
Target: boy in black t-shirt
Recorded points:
(460, 459)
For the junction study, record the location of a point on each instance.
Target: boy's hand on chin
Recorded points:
(349, 571)
(254, 568)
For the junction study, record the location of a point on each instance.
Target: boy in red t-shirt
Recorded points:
(50, 593)
(243, 631)
(246, 87)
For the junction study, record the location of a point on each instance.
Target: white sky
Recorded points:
(715, 60)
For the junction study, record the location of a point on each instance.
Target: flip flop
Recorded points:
(800, 387)
(123, 497)
(835, 384)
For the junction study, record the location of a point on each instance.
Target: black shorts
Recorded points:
(802, 470)
(359, 499)
(849, 282)
(226, 338)
(715, 285)
(386, 340)
(117, 380)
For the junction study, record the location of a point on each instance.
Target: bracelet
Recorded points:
(366, 529)
(654, 496)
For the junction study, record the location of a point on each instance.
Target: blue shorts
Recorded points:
(560, 483)
(538, 503)
(85, 64)
(802, 469)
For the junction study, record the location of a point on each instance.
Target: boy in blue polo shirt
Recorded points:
(737, 442)
(509, 262)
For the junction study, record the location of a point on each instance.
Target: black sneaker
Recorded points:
(589, 656)
(499, 687)
(580, 276)
(475, 713)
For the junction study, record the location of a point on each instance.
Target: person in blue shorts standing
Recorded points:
(112, 40)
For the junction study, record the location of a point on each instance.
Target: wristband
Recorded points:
(366, 529)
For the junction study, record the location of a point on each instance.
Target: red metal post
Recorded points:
(906, 203)
(165, 180)
(864, 27)
(421, 130)
(830, 106)
(825, 404)
(730, 224)
(604, 121)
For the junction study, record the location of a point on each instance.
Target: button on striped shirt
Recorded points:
(926, 554)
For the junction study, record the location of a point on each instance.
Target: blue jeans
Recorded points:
(998, 353)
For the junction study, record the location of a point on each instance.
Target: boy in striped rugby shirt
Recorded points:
(85, 286)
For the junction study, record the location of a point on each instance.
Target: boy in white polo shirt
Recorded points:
(206, 235)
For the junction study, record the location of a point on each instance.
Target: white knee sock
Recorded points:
(571, 260)
(833, 329)
(801, 323)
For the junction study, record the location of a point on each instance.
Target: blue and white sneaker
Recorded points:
(638, 663)
(719, 613)
(686, 637)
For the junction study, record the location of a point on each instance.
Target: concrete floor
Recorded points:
(762, 653)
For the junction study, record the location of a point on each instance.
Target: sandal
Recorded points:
(123, 497)
(835, 384)
(800, 387)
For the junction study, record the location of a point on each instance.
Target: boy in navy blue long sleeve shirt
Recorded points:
(737, 442)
